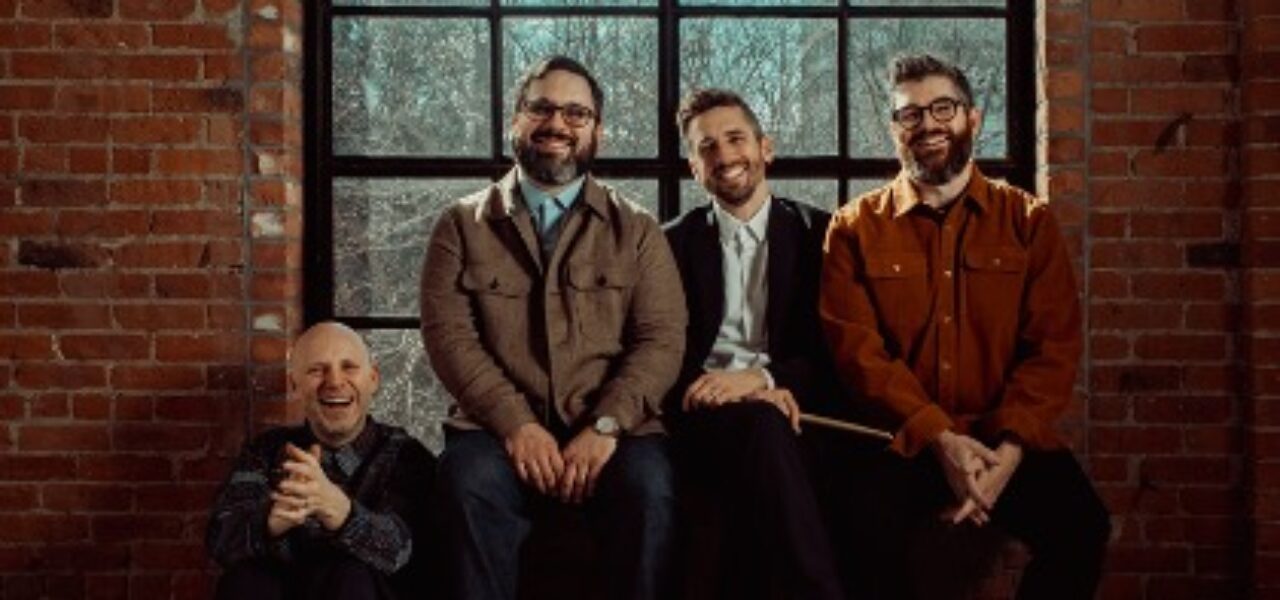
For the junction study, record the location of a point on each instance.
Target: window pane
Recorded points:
(975, 45)
(411, 3)
(784, 68)
(380, 230)
(817, 192)
(410, 395)
(411, 87)
(858, 187)
(641, 191)
(579, 2)
(759, 2)
(927, 2)
(622, 54)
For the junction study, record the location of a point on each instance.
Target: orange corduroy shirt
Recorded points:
(966, 320)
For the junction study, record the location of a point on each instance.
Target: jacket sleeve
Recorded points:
(654, 335)
(1038, 387)
(452, 339)
(237, 528)
(858, 350)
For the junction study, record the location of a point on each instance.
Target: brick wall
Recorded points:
(150, 244)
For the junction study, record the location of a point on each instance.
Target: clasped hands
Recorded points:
(569, 474)
(304, 492)
(976, 474)
(717, 388)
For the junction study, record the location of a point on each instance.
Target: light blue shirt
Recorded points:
(548, 210)
(742, 341)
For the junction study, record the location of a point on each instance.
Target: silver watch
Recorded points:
(607, 426)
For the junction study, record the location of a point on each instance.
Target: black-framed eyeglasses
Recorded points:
(942, 110)
(575, 115)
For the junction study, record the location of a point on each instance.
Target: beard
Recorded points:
(731, 193)
(937, 167)
(547, 168)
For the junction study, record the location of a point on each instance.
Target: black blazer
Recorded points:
(797, 349)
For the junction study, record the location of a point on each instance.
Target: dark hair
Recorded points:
(558, 62)
(914, 67)
(700, 101)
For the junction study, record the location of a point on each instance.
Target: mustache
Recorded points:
(922, 134)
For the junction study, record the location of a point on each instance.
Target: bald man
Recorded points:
(335, 507)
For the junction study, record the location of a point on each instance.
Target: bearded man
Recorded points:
(553, 314)
(950, 306)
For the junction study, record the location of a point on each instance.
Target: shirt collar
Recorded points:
(905, 197)
(534, 196)
(756, 226)
(347, 458)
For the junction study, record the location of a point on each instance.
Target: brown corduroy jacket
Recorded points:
(969, 321)
(595, 329)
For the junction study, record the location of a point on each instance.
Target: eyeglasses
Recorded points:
(942, 110)
(575, 115)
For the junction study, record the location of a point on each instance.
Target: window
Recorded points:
(408, 103)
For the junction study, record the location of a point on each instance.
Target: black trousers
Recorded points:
(337, 578)
(1049, 504)
(746, 487)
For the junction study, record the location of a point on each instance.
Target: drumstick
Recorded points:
(845, 426)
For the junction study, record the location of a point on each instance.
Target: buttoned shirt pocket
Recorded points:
(899, 289)
(500, 293)
(994, 278)
(600, 294)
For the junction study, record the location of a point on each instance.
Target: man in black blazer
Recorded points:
(754, 354)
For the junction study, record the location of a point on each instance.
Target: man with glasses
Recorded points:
(950, 305)
(552, 311)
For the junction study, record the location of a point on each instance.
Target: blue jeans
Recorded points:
(486, 512)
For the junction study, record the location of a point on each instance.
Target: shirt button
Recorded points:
(896, 268)
(946, 366)
(995, 261)
(946, 319)
(947, 273)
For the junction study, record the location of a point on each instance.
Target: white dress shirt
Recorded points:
(742, 341)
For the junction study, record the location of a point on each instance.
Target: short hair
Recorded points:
(700, 101)
(559, 62)
(915, 67)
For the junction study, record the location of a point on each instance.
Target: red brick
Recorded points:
(1214, 441)
(105, 346)
(79, 497)
(1217, 316)
(1137, 70)
(132, 528)
(1198, 101)
(223, 67)
(162, 255)
(199, 162)
(192, 409)
(16, 223)
(1135, 10)
(56, 9)
(1213, 68)
(1109, 100)
(29, 284)
(25, 467)
(156, 316)
(105, 285)
(199, 100)
(155, 130)
(65, 316)
(121, 467)
(1261, 96)
(1109, 40)
(1180, 163)
(25, 346)
(44, 159)
(90, 407)
(88, 160)
(1181, 347)
(17, 498)
(1142, 559)
(168, 556)
(96, 98)
(125, 161)
(43, 438)
(159, 191)
(49, 406)
(1212, 10)
(102, 36)
(202, 348)
(26, 97)
(1135, 440)
(1135, 379)
(156, 10)
(157, 377)
(1063, 53)
(209, 223)
(63, 192)
(103, 223)
(1261, 34)
(1146, 254)
(1184, 285)
(1184, 38)
(44, 529)
(164, 67)
(1126, 132)
(211, 36)
(63, 129)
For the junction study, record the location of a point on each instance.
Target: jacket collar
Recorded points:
(905, 197)
(505, 203)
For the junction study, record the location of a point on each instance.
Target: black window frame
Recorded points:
(669, 167)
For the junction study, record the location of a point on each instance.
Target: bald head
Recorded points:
(333, 375)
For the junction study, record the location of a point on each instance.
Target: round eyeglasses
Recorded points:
(575, 115)
(942, 110)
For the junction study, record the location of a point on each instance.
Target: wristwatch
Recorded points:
(606, 426)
